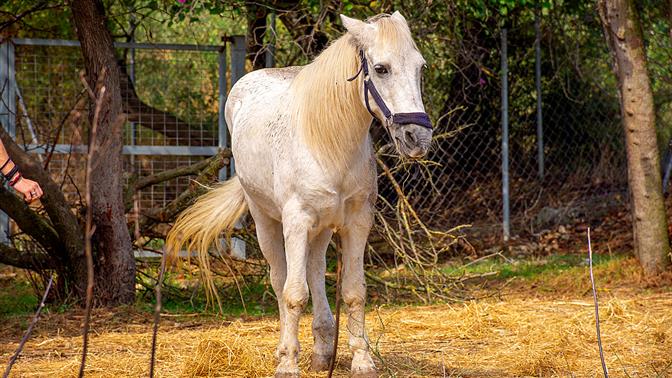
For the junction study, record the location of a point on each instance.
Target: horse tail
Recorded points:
(201, 225)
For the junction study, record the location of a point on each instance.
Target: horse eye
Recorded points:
(380, 69)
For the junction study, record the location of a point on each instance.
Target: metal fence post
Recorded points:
(537, 71)
(505, 140)
(223, 137)
(270, 51)
(7, 111)
(238, 52)
(131, 76)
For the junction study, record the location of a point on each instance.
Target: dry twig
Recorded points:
(157, 315)
(26, 335)
(89, 228)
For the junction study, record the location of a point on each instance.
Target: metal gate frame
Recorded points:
(9, 87)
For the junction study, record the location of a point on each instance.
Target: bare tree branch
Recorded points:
(147, 181)
(597, 308)
(24, 260)
(186, 198)
(157, 315)
(30, 222)
(189, 170)
(42, 5)
(63, 221)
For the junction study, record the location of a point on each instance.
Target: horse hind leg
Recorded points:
(324, 328)
(271, 243)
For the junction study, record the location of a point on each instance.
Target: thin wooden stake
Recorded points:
(597, 307)
(89, 228)
(26, 335)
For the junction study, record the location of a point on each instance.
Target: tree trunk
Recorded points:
(115, 264)
(256, 29)
(624, 36)
(669, 16)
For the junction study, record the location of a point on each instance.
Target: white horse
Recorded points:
(305, 169)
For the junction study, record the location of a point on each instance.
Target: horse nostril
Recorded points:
(409, 136)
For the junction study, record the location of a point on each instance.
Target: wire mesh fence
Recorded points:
(166, 104)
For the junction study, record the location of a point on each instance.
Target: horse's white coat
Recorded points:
(306, 169)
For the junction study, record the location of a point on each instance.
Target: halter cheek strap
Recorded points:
(418, 118)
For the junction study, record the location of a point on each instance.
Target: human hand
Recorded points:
(29, 188)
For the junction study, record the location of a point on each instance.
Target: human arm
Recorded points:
(11, 172)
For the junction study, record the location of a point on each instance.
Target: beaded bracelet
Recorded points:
(11, 173)
(15, 180)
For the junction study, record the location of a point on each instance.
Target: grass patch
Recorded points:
(257, 303)
(529, 268)
(17, 298)
(187, 299)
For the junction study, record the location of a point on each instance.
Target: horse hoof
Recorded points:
(365, 374)
(320, 362)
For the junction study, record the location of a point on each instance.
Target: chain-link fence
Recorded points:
(566, 160)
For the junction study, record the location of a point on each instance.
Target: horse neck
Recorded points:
(333, 120)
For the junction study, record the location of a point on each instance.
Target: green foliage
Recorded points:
(484, 9)
(658, 40)
(448, 33)
(52, 22)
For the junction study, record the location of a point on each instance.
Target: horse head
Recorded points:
(392, 65)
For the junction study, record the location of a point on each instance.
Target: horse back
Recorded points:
(258, 92)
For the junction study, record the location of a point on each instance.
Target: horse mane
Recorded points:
(327, 108)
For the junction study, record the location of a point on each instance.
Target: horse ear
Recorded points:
(398, 16)
(356, 27)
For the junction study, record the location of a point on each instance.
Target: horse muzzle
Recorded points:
(413, 140)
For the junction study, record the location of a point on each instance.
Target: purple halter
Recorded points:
(418, 118)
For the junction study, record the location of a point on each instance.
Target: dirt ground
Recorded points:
(532, 327)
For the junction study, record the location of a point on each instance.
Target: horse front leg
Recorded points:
(353, 287)
(296, 223)
(324, 327)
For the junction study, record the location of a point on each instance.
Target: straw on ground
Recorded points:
(527, 332)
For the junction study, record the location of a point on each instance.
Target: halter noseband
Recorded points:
(418, 118)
